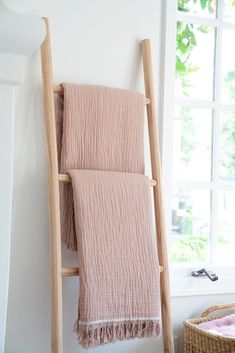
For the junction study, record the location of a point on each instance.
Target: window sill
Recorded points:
(182, 284)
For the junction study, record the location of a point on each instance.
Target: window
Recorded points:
(199, 132)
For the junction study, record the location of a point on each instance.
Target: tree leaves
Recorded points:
(203, 3)
(185, 42)
(184, 5)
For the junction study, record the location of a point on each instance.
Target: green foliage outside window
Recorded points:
(194, 245)
(183, 4)
(186, 41)
(191, 249)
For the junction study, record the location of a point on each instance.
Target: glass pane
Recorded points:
(192, 144)
(198, 7)
(194, 64)
(226, 228)
(229, 10)
(227, 146)
(228, 67)
(190, 226)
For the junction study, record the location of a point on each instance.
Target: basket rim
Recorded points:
(190, 323)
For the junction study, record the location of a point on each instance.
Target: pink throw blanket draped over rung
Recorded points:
(101, 130)
(98, 128)
(119, 272)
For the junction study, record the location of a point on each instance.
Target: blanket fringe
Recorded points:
(107, 332)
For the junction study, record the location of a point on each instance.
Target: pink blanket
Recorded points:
(119, 273)
(223, 327)
(98, 128)
(101, 146)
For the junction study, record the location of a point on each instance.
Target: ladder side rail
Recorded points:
(158, 197)
(53, 189)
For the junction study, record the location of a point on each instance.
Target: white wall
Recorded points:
(92, 42)
(6, 158)
(16, 42)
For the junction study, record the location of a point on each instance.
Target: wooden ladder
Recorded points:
(55, 178)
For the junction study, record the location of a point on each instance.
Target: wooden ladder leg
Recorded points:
(158, 200)
(49, 112)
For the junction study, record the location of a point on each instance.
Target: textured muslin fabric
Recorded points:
(119, 272)
(106, 212)
(98, 128)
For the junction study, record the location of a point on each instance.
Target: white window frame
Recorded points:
(181, 281)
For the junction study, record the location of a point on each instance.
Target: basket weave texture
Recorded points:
(199, 341)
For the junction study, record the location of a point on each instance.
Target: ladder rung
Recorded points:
(74, 271)
(59, 89)
(70, 271)
(67, 179)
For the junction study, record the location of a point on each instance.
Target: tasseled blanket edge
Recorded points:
(98, 334)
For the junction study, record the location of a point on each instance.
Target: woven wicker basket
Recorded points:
(198, 341)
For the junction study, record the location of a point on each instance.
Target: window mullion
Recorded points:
(214, 225)
(216, 133)
(195, 103)
(205, 21)
(167, 108)
(204, 104)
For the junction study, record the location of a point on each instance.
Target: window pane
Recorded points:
(192, 144)
(228, 67)
(227, 146)
(200, 7)
(194, 61)
(229, 10)
(190, 226)
(226, 227)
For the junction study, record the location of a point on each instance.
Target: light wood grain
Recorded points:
(67, 179)
(158, 198)
(70, 271)
(59, 89)
(49, 112)
(74, 271)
